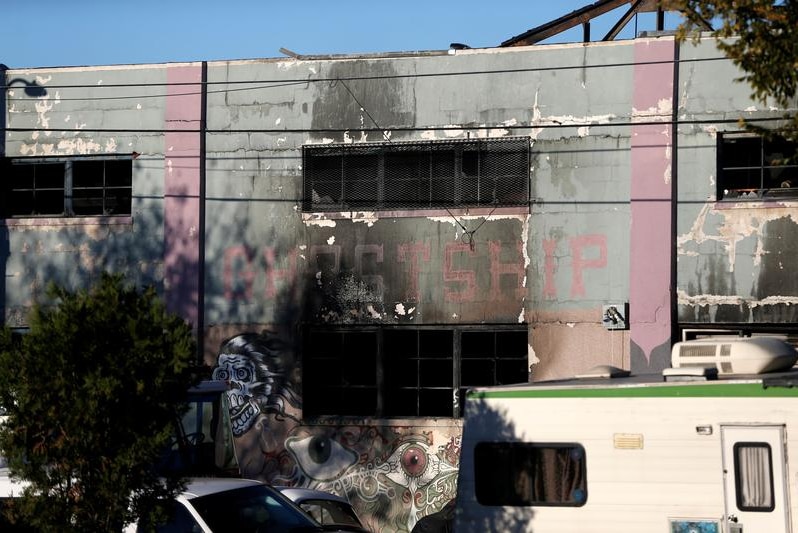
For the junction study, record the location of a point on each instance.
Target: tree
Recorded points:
(759, 36)
(91, 393)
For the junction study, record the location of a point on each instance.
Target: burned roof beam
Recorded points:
(580, 16)
(624, 20)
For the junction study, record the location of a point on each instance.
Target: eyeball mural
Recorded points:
(385, 473)
(321, 458)
(393, 474)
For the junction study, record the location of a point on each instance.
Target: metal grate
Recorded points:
(416, 175)
(707, 350)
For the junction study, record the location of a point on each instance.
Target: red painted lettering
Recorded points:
(499, 269)
(467, 278)
(578, 263)
(374, 281)
(273, 273)
(238, 273)
(549, 287)
(409, 253)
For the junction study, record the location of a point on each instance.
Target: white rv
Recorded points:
(709, 446)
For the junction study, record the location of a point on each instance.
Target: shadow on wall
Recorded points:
(659, 359)
(470, 516)
(75, 255)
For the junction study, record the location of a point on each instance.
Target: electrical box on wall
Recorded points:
(614, 316)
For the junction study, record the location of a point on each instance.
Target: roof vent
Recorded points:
(747, 355)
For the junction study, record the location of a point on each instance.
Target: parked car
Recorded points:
(440, 522)
(325, 508)
(213, 505)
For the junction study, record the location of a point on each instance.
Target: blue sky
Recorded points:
(42, 33)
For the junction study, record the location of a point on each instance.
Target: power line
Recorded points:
(269, 84)
(514, 127)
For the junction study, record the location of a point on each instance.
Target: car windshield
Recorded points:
(252, 509)
(331, 512)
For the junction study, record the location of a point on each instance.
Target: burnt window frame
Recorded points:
(760, 153)
(330, 389)
(441, 174)
(499, 466)
(71, 185)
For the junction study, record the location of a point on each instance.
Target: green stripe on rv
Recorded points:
(650, 391)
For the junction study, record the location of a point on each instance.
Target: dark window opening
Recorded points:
(339, 382)
(406, 372)
(752, 168)
(526, 474)
(491, 359)
(415, 175)
(59, 187)
(753, 474)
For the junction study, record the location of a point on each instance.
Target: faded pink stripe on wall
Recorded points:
(651, 195)
(182, 239)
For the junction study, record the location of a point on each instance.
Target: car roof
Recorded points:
(299, 494)
(8, 486)
(196, 487)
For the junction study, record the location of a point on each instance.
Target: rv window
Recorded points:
(753, 472)
(526, 474)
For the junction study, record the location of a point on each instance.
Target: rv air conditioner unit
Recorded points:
(744, 355)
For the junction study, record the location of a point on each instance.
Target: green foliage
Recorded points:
(91, 394)
(759, 36)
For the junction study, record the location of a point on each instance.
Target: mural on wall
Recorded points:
(393, 474)
(256, 367)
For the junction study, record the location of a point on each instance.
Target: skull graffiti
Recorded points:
(254, 366)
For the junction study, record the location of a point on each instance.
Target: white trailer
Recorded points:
(709, 446)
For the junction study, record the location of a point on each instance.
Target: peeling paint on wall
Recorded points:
(663, 112)
(317, 219)
(703, 300)
(565, 120)
(738, 221)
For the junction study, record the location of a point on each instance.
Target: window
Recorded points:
(751, 167)
(415, 175)
(67, 187)
(526, 474)
(753, 472)
(406, 372)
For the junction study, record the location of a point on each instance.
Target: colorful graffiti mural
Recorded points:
(393, 472)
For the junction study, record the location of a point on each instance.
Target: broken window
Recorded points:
(751, 167)
(67, 187)
(416, 175)
(406, 372)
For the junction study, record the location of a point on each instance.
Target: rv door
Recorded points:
(754, 473)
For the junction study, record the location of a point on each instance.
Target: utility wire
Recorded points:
(267, 84)
(592, 125)
(363, 108)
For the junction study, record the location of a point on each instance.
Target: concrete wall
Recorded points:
(733, 259)
(83, 111)
(217, 222)
(552, 265)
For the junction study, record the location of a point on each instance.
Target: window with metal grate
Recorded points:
(416, 175)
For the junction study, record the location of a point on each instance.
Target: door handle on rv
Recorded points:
(732, 518)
